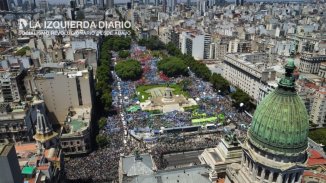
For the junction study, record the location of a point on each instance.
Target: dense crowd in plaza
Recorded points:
(100, 165)
(186, 144)
(103, 163)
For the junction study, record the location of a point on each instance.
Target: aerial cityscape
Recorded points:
(163, 91)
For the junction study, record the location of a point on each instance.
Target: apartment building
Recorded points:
(311, 64)
(322, 70)
(197, 45)
(11, 87)
(318, 110)
(249, 72)
(62, 88)
(17, 121)
(239, 46)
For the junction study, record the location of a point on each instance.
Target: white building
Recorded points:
(197, 45)
(248, 72)
(318, 110)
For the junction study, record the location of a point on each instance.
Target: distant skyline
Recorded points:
(125, 1)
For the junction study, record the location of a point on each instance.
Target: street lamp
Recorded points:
(241, 107)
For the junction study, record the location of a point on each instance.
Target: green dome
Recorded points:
(280, 123)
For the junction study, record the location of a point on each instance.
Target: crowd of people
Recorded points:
(185, 144)
(102, 165)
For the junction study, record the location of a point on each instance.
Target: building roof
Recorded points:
(315, 158)
(141, 166)
(312, 174)
(77, 124)
(30, 147)
(193, 174)
(5, 149)
(280, 123)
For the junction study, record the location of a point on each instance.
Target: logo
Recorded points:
(22, 23)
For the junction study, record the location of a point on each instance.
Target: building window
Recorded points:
(267, 172)
(259, 171)
(275, 175)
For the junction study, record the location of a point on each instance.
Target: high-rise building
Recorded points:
(32, 4)
(318, 109)
(239, 2)
(109, 4)
(76, 85)
(43, 5)
(128, 5)
(189, 3)
(101, 3)
(202, 6)
(19, 2)
(4, 6)
(73, 9)
(164, 4)
(10, 170)
(80, 3)
(195, 44)
(276, 146)
(171, 4)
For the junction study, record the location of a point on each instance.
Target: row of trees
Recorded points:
(104, 77)
(104, 80)
(117, 43)
(173, 67)
(239, 97)
(129, 70)
(219, 83)
(152, 43)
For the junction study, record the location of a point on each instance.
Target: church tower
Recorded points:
(45, 136)
(276, 144)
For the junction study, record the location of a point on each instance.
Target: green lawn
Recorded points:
(318, 135)
(143, 88)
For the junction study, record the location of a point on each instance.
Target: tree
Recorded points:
(240, 97)
(152, 43)
(123, 54)
(101, 122)
(129, 70)
(101, 140)
(117, 43)
(106, 99)
(319, 136)
(219, 83)
(173, 67)
(173, 50)
(199, 68)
